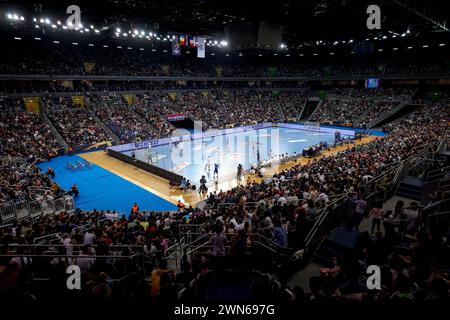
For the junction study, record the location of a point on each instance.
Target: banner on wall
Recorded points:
(78, 100)
(201, 47)
(165, 69)
(89, 67)
(173, 95)
(128, 98)
(32, 104)
(176, 117)
(176, 49)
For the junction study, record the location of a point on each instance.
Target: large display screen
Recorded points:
(372, 83)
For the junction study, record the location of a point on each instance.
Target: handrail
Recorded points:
(320, 220)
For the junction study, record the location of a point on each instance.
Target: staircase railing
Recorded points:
(299, 117)
(11, 212)
(330, 217)
(319, 104)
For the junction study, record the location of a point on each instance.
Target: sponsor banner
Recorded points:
(213, 133)
(314, 128)
(176, 117)
(201, 47)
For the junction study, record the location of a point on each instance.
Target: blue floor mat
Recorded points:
(103, 190)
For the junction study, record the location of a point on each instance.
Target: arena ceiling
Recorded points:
(301, 20)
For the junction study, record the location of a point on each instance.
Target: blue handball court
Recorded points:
(103, 190)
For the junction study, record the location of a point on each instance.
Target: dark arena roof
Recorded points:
(273, 156)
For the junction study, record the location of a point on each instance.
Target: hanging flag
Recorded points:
(182, 40)
(201, 47)
(176, 49)
(191, 42)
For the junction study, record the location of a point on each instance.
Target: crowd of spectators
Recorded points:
(48, 59)
(120, 117)
(359, 106)
(25, 134)
(74, 122)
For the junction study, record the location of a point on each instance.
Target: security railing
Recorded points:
(12, 212)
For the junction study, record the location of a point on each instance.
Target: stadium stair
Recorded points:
(411, 188)
(340, 242)
(55, 132)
